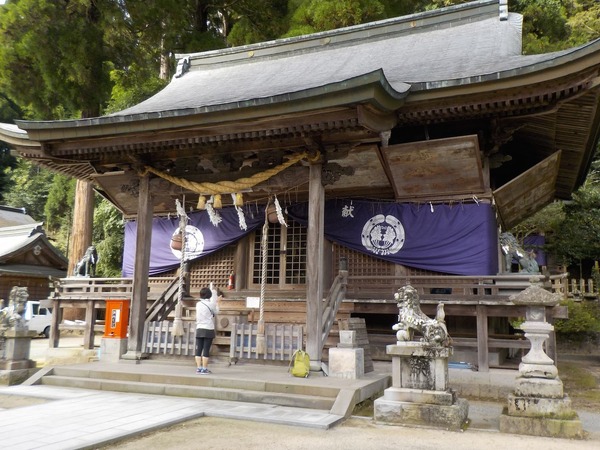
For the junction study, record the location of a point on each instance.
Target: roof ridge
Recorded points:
(413, 23)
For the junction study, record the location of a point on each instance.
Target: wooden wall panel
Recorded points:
(435, 168)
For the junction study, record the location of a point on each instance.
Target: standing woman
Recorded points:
(206, 309)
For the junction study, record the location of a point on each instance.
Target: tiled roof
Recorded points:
(10, 217)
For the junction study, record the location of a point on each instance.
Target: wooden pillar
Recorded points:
(483, 360)
(90, 322)
(241, 262)
(314, 264)
(57, 316)
(139, 295)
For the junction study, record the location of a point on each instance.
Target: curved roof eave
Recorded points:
(370, 88)
(15, 136)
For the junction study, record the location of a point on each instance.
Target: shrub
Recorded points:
(584, 317)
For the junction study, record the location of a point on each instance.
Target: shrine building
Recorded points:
(321, 173)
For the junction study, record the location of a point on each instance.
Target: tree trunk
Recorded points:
(81, 235)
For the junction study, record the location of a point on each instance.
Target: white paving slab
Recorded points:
(78, 418)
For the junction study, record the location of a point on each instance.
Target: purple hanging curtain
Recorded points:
(458, 239)
(202, 237)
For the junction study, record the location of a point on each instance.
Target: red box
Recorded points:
(117, 319)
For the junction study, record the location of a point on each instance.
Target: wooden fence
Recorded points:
(281, 341)
(582, 289)
(159, 339)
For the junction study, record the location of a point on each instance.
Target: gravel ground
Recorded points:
(355, 433)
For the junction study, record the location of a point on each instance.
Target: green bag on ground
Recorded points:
(300, 364)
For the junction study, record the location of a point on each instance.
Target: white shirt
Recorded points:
(206, 309)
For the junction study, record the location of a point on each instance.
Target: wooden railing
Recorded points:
(580, 289)
(91, 294)
(337, 293)
(165, 303)
(449, 289)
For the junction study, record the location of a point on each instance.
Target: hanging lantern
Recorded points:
(201, 202)
(176, 241)
(272, 214)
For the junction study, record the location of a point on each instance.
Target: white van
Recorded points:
(39, 318)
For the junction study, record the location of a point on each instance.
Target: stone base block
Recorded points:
(15, 376)
(17, 365)
(536, 426)
(448, 417)
(548, 371)
(539, 387)
(347, 363)
(111, 349)
(395, 394)
(531, 406)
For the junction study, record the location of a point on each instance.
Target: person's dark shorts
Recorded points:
(204, 333)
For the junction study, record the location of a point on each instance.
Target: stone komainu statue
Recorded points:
(87, 265)
(513, 250)
(411, 318)
(12, 315)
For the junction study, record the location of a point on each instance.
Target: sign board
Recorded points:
(252, 302)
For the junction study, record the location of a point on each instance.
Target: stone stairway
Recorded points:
(247, 391)
(198, 386)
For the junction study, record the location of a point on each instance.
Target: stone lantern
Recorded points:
(539, 405)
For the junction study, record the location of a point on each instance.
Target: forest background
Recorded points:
(65, 59)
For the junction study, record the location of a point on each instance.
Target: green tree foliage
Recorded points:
(108, 238)
(584, 22)
(545, 26)
(29, 188)
(256, 21)
(320, 15)
(59, 204)
(7, 163)
(578, 235)
(53, 56)
(132, 86)
(584, 317)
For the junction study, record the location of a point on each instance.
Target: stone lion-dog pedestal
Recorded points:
(419, 395)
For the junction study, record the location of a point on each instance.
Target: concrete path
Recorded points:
(79, 418)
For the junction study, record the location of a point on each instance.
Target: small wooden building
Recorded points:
(434, 127)
(27, 258)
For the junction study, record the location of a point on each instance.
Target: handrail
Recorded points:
(162, 306)
(337, 293)
(448, 288)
